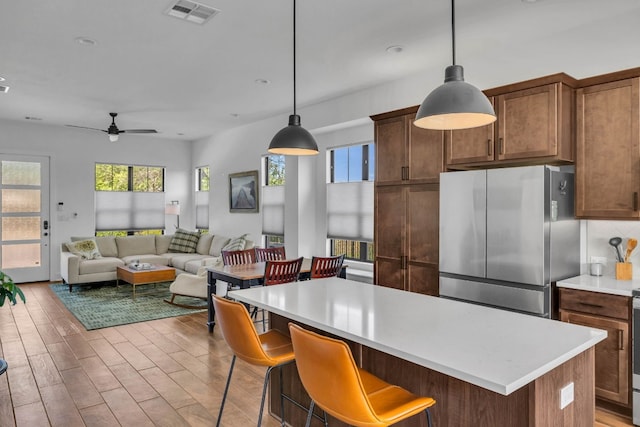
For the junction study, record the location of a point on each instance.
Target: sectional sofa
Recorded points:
(119, 251)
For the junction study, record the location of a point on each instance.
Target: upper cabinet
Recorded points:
(406, 154)
(534, 125)
(608, 147)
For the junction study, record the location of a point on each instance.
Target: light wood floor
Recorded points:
(168, 372)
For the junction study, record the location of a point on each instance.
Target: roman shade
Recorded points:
(350, 211)
(273, 210)
(129, 210)
(202, 210)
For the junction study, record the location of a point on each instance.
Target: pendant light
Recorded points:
(294, 139)
(455, 104)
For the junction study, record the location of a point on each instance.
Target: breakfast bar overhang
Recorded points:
(484, 366)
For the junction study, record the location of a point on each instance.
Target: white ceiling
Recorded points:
(189, 81)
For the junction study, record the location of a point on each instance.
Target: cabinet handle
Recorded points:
(591, 305)
(405, 173)
(501, 142)
(403, 262)
(489, 148)
(620, 340)
(635, 201)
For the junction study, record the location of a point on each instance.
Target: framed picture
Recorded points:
(243, 192)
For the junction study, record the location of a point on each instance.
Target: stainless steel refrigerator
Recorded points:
(506, 235)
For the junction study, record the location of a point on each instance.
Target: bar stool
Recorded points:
(272, 349)
(351, 394)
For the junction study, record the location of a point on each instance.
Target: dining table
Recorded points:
(242, 276)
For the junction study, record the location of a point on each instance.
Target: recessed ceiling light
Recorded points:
(32, 118)
(262, 81)
(86, 41)
(395, 49)
(236, 115)
(4, 89)
(180, 134)
(2, 79)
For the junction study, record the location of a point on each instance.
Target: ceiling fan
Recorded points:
(113, 130)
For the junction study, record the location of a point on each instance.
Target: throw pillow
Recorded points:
(217, 244)
(236, 244)
(86, 249)
(184, 241)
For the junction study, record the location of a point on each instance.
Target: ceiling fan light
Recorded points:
(455, 104)
(113, 137)
(293, 140)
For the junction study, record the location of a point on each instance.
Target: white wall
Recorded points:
(598, 234)
(73, 154)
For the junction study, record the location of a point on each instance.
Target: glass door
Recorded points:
(24, 217)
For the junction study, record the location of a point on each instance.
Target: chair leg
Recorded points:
(310, 414)
(281, 395)
(264, 393)
(429, 424)
(226, 389)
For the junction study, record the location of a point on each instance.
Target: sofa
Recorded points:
(79, 265)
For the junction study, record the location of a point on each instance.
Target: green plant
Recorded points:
(8, 289)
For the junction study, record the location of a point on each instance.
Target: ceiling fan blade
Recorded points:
(84, 127)
(139, 131)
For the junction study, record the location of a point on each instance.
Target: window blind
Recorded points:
(202, 210)
(273, 210)
(129, 210)
(350, 211)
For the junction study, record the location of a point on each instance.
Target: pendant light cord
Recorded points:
(294, 57)
(453, 31)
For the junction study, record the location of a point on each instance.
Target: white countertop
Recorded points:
(603, 284)
(494, 349)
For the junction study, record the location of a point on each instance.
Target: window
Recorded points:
(202, 197)
(350, 201)
(273, 200)
(129, 199)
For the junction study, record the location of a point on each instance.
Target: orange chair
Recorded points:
(352, 395)
(270, 254)
(272, 349)
(326, 266)
(246, 256)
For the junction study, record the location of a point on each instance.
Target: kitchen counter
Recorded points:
(495, 349)
(602, 284)
(512, 366)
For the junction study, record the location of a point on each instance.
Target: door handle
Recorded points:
(489, 148)
(45, 225)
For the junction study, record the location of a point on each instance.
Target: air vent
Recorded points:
(4, 89)
(197, 13)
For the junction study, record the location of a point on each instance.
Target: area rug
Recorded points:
(103, 305)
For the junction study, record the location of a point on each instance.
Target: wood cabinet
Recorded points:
(408, 165)
(534, 125)
(608, 149)
(613, 356)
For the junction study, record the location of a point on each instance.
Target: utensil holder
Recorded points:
(624, 271)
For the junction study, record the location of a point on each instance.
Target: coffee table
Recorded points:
(159, 273)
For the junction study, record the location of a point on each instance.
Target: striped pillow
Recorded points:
(184, 241)
(236, 244)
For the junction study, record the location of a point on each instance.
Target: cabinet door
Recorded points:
(608, 150)
(426, 148)
(528, 123)
(612, 355)
(423, 223)
(390, 227)
(475, 145)
(391, 136)
(423, 278)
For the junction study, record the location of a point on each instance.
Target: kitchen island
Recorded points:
(485, 367)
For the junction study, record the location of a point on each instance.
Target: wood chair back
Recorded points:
(284, 271)
(326, 266)
(246, 256)
(270, 254)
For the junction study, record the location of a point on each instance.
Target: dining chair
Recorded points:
(245, 256)
(271, 349)
(276, 273)
(270, 254)
(326, 266)
(337, 385)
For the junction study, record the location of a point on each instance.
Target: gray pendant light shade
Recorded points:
(293, 140)
(455, 104)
